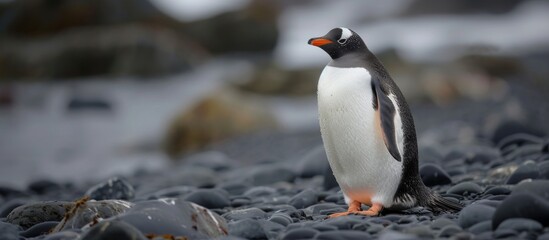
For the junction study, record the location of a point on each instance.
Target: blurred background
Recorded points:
(93, 88)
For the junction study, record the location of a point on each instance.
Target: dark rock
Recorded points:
(114, 188)
(505, 234)
(43, 186)
(509, 128)
(313, 163)
(39, 229)
(9, 231)
(518, 140)
(392, 235)
(344, 223)
(498, 190)
(209, 198)
(259, 192)
(9, 192)
(543, 168)
(234, 188)
(449, 231)
(251, 213)
(439, 223)
(300, 233)
(481, 227)
(304, 199)
(522, 205)
(465, 188)
(65, 235)
(239, 202)
(85, 212)
(176, 217)
(326, 227)
(171, 192)
(247, 228)
(520, 225)
(475, 213)
(113, 230)
(8, 206)
(281, 218)
(271, 229)
(536, 187)
(31, 214)
(343, 235)
(329, 179)
(526, 171)
(419, 231)
(544, 236)
(429, 155)
(326, 208)
(270, 174)
(433, 175)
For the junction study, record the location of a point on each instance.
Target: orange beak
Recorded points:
(319, 41)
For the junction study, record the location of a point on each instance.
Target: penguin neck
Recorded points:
(354, 59)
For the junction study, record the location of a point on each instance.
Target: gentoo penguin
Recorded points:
(368, 131)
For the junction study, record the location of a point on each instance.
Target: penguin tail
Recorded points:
(438, 204)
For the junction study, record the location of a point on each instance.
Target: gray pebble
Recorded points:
(253, 213)
(449, 231)
(439, 223)
(247, 228)
(526, 171)
(304, 199)
(520, 225)
(505, 233)
(9, 231)
(113, 230)
(465, 188)
(209, 198)
(281, 218)
(475, 213)
(300, 233)
(481, 227)
(114, 188)
(343, 235)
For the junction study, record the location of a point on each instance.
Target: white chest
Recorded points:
(351, 134)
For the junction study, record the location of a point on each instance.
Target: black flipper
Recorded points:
(387, 114)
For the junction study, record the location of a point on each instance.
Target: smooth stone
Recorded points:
(505, 233)
(270, 174)
(509, 128)
(39, 229)
(114, 188)
(234, 188)
(30, 214)
(300, 233)
(421, 231)
(326, 227)
(345, 222)
(43, 186)
(537, 187)
(439, 223)
(544, 236)
(520, 225)
(522, 205)
(88, 212)
(209, 198)
(65, 235)
(465, 188)
(498, 190)
(543, 169)
(433, 175)
(343, 235)
(9, 193)
(171, 192)
(304, 199)
(9, 231)
(271, 229)
(449, 231)
(259, 191)
(475, 213)
(518, 139)
(313, 163)
(247, 228)
(113, 230)
(490, 203)
(176, 217)
(281, 218)
(481, 227)
(525, 171)
(253, 213)
(10, 205)
(239, 202)
(329, 179)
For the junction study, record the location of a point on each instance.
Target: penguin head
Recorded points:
(339, 42)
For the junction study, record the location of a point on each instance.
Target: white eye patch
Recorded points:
(345, 34)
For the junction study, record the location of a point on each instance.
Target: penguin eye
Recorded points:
(342, 40)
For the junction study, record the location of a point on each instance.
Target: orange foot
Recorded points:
(354, 208)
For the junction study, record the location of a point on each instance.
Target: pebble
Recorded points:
(214, 160)
(259, 191)
(505, 233)
(520, 225)
(465, 188)
(10, 205)
(281, 218)
(481, 227)
(39, 229)
(528, 170)
(43, 186)
(304, 199)
(392, 235)
(475, 213)
(113, 230)
(537, 187)
(114, 188)
(449, 231)
(30, 214)
(433, 175)
(329, 179)
(209, 198)
(313, 163)
(65, 235)
(252, 213)
(270, 174)
(247, 228)
(9, 231)
(522, 205)
(343, 235)
(344, 223)
(543, 169)
(498, 190)
(300, 233)
(439, 223)
(234, 188)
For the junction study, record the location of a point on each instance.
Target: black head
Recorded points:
(338, 42)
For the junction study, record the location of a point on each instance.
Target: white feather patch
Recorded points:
(345, 33)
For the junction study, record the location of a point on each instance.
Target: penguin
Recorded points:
(368, 131)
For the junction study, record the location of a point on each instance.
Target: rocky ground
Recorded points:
(278, 186)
